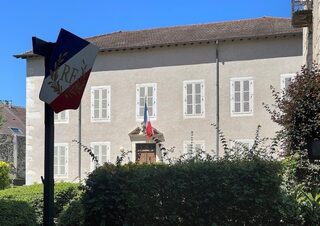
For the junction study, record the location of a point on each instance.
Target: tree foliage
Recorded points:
(297, 110)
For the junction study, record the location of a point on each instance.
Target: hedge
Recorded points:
(13, 213)
(4, 175)
(33, 195)
(207, 193)
(72, 215)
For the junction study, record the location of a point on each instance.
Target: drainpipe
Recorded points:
(79, 139)
(217, 98)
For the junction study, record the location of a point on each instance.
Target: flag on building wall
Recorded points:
(147, 123)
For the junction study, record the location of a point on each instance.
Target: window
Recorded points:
(16, 131)
(100, 103)
(101, 151)
(146, 93)
(194, 99)
(286, 80)
(61, 117)
(242, 143)
(241, 92)
(194, 147)
(60, 160)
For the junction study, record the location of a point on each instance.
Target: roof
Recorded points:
(14, 117)
(247, 28)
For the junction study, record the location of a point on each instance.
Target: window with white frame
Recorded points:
(191, 148)
(101, 151)
(61, 160)
(100, 103)
(61, 117)
(241, 143)
(241, 93)
(286, 80)
(193, 99)
(146, 93)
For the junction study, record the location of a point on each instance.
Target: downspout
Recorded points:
(79, 147)
(217, 98)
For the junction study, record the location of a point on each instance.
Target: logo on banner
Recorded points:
(68, 71)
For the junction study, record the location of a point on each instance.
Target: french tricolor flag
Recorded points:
(147, 123)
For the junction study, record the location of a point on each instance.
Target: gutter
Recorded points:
(217, 98)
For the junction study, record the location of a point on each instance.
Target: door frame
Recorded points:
(134, 151)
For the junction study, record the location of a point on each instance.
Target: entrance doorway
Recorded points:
(146, 153)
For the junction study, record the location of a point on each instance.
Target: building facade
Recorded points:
(190, 76)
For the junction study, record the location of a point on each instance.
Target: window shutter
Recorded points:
(108, 152)
(66, 160)
(137, 100)
(232, 92)
(154, 100)
(251, 95)
(92, 103)
(202, 98)
(185, 99)
(109, 103)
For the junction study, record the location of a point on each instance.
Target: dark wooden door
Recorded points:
(146, 153)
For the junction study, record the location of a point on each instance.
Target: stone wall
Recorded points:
(10, 144)
(6, 148)
(316, 31)
(21, 157)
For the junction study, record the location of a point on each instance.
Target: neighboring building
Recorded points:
(305, 14)
(176, 70)
(13, 139)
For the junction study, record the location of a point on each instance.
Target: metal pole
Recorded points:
(44, 48)
(48, 194)
(79, 138)
(218, 98)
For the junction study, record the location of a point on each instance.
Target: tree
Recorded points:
(297, 110)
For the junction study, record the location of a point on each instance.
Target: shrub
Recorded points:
(4, 175)
(14, 213)
(72, 215)
(33, 195)
(200, 193)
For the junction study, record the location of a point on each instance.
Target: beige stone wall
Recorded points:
(263, 59)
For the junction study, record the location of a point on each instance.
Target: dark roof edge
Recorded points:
(30, 54)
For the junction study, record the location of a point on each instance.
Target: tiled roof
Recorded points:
(14, 117)
(248, 28)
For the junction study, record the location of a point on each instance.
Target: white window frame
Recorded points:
(108, 108)
(66, 146)
(251, 96)
(243, 141)
(203, 100)
(92, 144)
(59, 120)
(152, 117)
(283, 79)
(195, 142)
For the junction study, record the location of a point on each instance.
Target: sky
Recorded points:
(22, 19)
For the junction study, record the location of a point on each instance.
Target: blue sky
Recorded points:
(20, 20)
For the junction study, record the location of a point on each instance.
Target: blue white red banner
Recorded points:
(68, 71)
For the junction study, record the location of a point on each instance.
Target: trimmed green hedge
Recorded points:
(13, 213)
(208, 193)
(4, 175)
(33, 195)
